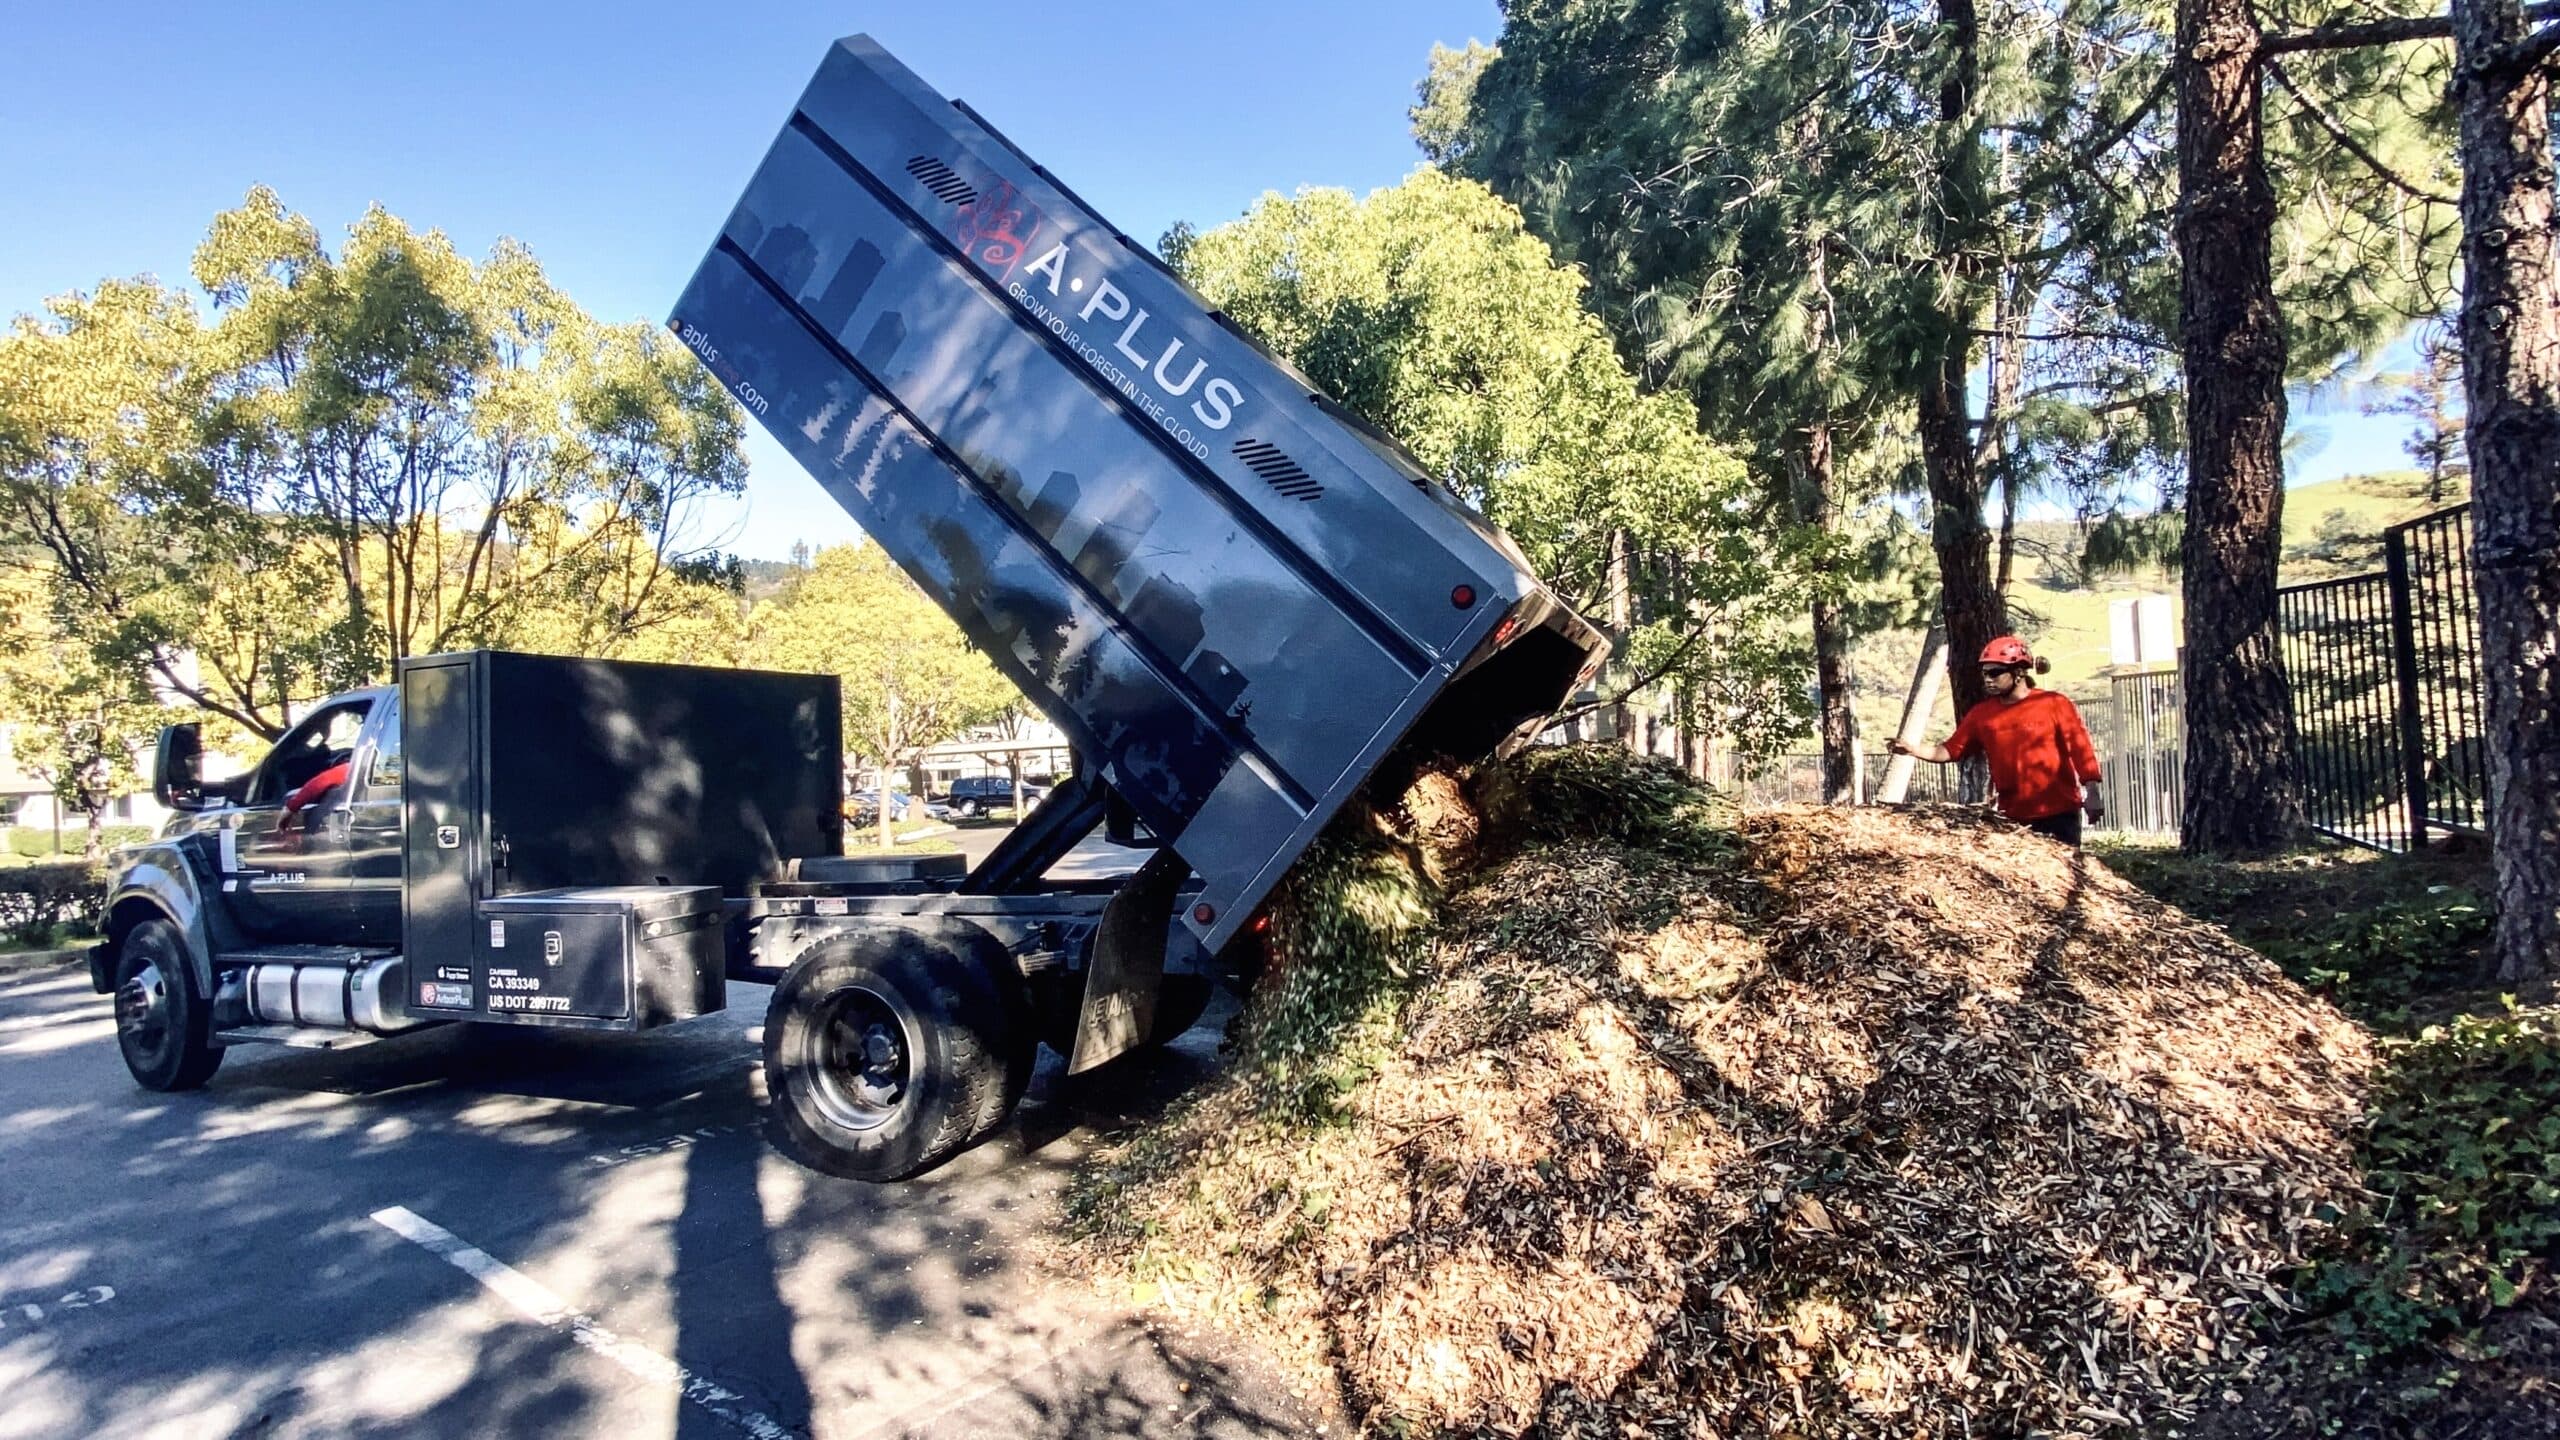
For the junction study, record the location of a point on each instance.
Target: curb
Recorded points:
(12, 964)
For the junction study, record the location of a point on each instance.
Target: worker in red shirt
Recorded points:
(2044, 771)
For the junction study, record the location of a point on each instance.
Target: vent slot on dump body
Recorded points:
(1279, 471)
(942, 180)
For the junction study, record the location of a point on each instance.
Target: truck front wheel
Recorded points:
(885, 1055)
(163, 1027)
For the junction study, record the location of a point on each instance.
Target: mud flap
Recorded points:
(1127, 968)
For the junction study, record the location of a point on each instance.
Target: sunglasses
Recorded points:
(1994, 672)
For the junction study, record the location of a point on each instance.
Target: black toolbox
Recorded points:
(608, 956)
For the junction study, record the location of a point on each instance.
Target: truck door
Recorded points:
(284, 858)
(372, 830)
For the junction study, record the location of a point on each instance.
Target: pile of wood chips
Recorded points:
(1872, 1123)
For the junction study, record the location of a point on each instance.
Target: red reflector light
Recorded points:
(1261, 924)
(1503, 632)
(1463, 596)
(1204, 912)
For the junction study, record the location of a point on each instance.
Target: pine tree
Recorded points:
(1704, 171)
(2511, 373)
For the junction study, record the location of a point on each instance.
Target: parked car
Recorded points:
(977, 794)
(863, 807)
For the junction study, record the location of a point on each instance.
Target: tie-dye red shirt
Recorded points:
(2038, 750)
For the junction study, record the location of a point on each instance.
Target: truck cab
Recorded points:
(307, 842)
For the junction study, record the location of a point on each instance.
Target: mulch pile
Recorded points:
(1813, 1123)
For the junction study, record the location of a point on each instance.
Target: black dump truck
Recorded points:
(1238, 600)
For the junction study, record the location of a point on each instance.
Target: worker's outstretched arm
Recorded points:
(1934, 754)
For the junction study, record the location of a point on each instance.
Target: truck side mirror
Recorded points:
(177, 767)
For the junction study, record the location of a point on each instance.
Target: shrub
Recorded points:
(37, 841)
(2377, 961)
(2463, 1159)
(34, 899)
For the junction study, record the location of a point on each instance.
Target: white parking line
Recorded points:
(540, 1305)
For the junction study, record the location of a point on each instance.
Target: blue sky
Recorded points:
(612, 139)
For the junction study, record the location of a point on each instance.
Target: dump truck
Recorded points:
(1237, 599)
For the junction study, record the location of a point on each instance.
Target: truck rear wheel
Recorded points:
(163, 1028)
(886, 1055)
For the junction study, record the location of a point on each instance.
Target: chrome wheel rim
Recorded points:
(142, 1010)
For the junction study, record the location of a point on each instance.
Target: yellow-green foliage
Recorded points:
(1347, 930)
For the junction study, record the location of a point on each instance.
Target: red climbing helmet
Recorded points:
(2007, 650)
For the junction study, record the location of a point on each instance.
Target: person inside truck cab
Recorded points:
(316, 789)
(312, 767)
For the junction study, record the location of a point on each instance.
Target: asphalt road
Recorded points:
(459, 1233)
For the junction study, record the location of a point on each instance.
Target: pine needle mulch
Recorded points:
(1813, 1123)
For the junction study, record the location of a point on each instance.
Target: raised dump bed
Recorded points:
(1233, 596)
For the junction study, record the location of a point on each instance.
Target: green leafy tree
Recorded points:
(1442, 112)
(108, 512)
(476, 457)
(1429, 309)
(910, 678)
(71, 723)
(385, 451)
(1833, 220)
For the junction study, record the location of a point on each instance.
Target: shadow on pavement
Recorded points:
(257, 1297)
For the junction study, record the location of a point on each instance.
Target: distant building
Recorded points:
(27, 802)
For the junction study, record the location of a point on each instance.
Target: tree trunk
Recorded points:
(880, 795)
(1838, 723)
(1969, 600)
(1622, 621)
(2241, 791)
(2511, 377)
(1013, 770)
(94, 848)
(1968, 596)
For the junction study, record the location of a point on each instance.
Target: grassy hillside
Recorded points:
(2330, 529)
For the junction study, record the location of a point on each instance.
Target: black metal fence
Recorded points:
(2384, 673)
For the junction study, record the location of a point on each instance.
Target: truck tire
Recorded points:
(163, 1027)
(886, 1055)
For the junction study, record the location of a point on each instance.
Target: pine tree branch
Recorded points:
(2533, 49)
(2352, 37)
(2159, 88)
(2116, 337)
(2390, 32)
(2349, 143)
